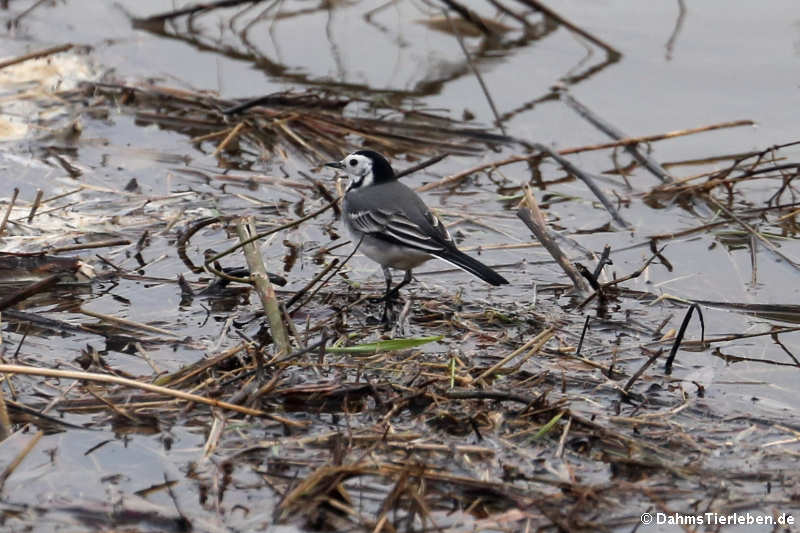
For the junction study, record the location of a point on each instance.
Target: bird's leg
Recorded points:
(387, 275)
(392, 294)
(387, 298)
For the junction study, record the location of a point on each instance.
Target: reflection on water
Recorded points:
(162, 155)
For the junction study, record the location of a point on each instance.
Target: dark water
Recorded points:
(716, 63)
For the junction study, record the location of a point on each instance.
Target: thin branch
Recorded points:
(36, 55)
(293, 223)
(534, 219)
(587, 179)
(19, 458)
(28, 291)
(115, 380)
(455, 178)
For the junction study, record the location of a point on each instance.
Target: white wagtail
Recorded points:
(395, 228)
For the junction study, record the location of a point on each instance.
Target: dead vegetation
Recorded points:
(552, 406)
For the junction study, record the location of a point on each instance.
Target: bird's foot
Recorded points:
(391, 297)
(387, 318)
(389, 315)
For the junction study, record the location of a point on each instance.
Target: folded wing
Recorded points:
(393, 226)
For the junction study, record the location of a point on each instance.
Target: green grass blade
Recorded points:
(384, 346)
(547, 427)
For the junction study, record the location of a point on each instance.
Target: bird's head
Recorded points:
(365, 168)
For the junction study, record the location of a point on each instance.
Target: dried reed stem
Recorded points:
(103, 378)
(5, 421)
(8, 210)
(533, 218)
(36, 55)
(246, 228)
(19, 458)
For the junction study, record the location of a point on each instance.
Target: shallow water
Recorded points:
(723, 63)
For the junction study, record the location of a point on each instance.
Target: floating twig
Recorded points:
(36, 55)
(127, 323)
(533, 346)
(188, 372)
(19, 458)
(89, 245)
(115, 380)
(27, 292)
(660, 254)
(587, 179)
(766, 242)
(640, 371)
(326, 280)
(208, 263)
(229, 138)
(626, 141)
(533, 218)
(455, 178)
(299, 294)
(421, 165)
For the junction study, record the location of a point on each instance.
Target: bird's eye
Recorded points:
(353, 162)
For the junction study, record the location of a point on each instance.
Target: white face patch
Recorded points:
(360, 168)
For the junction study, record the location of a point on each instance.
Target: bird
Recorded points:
(392, 226)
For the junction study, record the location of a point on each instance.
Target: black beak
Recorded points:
(335, 164)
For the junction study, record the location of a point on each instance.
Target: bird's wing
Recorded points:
(396, 227)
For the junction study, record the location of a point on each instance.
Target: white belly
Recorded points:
(390, 255)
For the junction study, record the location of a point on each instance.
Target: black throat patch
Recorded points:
(381, 169)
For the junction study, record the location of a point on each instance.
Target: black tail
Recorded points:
(473, 266)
